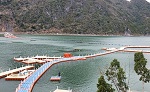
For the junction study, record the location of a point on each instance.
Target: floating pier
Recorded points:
(32, 61)
(19, 76)
(55, 78)
(137, 47)
(124, 49)
(28, 84)
(60, 90)
(36, 59)
(4, 74)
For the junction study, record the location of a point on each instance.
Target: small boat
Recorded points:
(55, 78)
(9, 35)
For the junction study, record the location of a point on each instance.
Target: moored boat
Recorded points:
(9, 35)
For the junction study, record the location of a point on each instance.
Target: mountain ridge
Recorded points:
(76, 16)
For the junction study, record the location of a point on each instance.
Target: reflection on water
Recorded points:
(81, 76)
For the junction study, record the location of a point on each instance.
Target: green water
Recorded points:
(80, 76)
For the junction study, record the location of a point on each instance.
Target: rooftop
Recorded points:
(59, 90)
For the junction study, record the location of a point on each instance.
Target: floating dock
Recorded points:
(4, 74)
(124, 49)
(28, 84)
(60, 90)
(19, 76)
(55, 78)
(16, 77)
(32, 61)
(36, 59)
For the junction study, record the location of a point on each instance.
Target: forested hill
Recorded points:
(76, 16)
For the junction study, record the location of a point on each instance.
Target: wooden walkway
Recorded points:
(28, 84)
(4, 74)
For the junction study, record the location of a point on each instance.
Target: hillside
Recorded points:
(76, 16)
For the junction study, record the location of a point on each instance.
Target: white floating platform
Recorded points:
(60, 90)
(4, 74)
(55, 78)
(19, 76)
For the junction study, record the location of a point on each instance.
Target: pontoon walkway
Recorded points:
(28, 84)
(4, 74)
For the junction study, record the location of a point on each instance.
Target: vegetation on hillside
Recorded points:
(76, 16)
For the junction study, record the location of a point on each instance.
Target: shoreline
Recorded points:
(59, 34)
(67, 34)
(62, 34)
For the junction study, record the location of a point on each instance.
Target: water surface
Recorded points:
(80, 76)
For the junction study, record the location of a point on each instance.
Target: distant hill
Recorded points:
(109, 17)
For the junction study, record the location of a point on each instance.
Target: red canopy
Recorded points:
(67, 55)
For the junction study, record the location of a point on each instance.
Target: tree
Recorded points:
(116, 75)
(103, 86)
(140, 67)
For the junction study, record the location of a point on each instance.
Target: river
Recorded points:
(80, 76)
